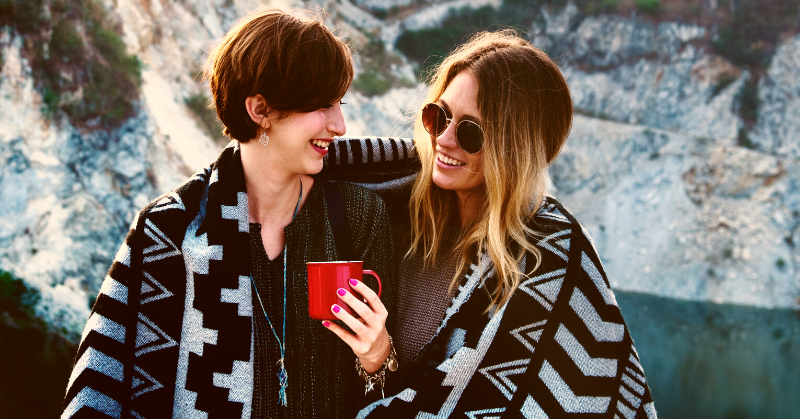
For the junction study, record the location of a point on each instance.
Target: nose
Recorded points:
(336, 124)
(448, 137)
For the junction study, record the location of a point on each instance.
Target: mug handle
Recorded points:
(380, 286)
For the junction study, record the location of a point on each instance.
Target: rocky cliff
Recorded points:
(683, 195)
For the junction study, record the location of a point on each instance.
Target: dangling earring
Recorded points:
(264, 138)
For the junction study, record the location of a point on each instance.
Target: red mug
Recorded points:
(325, 278)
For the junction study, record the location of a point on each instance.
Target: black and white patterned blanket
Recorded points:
(170, 333)
(558, 348)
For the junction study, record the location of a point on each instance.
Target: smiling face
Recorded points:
(455, 169)
(299, 142)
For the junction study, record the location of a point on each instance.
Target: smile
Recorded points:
(449, 160)
(321, 143)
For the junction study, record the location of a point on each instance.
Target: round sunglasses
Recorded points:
(469, 135)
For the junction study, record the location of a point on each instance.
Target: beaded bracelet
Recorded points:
(379, 377)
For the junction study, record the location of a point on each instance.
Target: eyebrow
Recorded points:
(463, 117)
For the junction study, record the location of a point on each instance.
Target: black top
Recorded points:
(268, 278)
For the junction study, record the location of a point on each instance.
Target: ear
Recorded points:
(258, 110)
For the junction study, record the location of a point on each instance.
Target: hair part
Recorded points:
(526, 116)
(297, 65)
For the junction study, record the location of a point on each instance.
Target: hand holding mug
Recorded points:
(371, 340)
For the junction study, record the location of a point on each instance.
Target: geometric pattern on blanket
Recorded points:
(558, 348)
(143, 349)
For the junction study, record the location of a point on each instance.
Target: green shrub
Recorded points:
(66, 43)
(596, 7)
(743, 139)
(748, 100)
(749, 37)
(725, 80)
(66, 61)
(377, 77)
(51, 99)
(428, 47)
(206, 116)
(380, 13)
(780, 263)
(27, 16)
(648, 6)
(372, 83)
(35, 361)
(16, 298)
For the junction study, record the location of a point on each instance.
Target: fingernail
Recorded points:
(326, 323)
(353, 282)
(341, 292)
(336, 308)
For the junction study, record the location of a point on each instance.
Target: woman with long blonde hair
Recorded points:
(503, 307)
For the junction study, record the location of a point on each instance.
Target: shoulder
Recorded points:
(184, 198)
(553, 221)
(356, 196)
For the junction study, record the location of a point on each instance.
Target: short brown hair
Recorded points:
(296, 64)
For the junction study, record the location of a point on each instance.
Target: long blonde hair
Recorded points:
(526, 115)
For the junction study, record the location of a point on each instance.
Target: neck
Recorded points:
(272, 192)
(466, 207)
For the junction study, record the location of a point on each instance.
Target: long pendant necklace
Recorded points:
(283, 377)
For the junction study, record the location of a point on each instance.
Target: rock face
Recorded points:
(685, 217)
(778, 127)
(66, 198)
(675, 206)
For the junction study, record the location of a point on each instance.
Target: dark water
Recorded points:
(702, 360)
(706, 360)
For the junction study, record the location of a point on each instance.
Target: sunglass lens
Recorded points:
(434, 119)
(470, 136)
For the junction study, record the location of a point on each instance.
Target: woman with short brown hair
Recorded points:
(205, 312)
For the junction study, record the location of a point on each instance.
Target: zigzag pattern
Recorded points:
(562, 348)
(582, 366)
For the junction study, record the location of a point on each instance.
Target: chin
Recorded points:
(314, 168)
(443, 182)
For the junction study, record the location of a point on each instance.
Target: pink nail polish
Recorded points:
(341, 292)
(353, 282)
(336, 308)
(326, 323)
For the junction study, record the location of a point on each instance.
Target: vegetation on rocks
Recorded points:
(206, 115)
(35, 361)
(378, 77)
(79, 62)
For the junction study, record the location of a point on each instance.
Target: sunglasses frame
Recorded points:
(447, 124)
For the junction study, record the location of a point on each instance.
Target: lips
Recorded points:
(449, 160)
(321, 144)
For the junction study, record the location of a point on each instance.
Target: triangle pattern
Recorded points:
(529, 334)
(556, 242)
(143, 382)
(146, 288)
(152, 290)
(545, 288)
(171, 201)
(550, 289)
(162, 247)
(150, 337)
(499, 375)
(552, 212)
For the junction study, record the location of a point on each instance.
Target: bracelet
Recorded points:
(378, 377)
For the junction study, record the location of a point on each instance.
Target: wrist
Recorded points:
(371, 378)
(374, 363)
